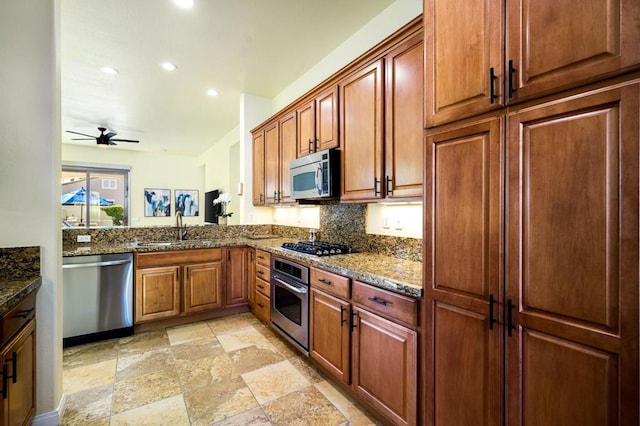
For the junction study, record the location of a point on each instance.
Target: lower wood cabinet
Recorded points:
(376, 356)
(261, 285)
(236, 276)
(177, 283)
(18, 378)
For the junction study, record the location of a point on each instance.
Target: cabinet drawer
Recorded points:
(175, 257)
(329, 282)
(17, 317)
(263, 307)
(392, 305)
(263, 258)
(263, 272)
(263, 287)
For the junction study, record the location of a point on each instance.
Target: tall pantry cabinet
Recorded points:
(531, 213)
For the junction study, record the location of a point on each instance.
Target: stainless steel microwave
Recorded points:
(315, 176)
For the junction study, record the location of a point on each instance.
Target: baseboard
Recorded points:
(52, 418)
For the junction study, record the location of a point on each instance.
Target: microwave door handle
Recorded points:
(292, 288)
(319, 179)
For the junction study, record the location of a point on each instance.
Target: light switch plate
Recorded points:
(84, 238)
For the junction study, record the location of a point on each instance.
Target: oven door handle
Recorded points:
(290, 287)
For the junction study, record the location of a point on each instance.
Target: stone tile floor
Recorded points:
(227, 371)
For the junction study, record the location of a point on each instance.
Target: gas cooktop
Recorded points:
(318, 248)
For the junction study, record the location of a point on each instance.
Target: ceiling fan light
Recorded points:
(168, 66)
(185, 4)
(212, 92)
(109, 70)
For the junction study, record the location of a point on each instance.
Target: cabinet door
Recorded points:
(306, 134)
(18, 361)
(258, 168)
(361, 126)
(236, 286)
(463, 340)
(251, 278)
(463, 44)
(404, 109)
(329, 333)
(202, 287)
(327, 120)
(271, 163)
(288, 131)
(385, 366)
(554, 44)
(572, 264)
(157, 293)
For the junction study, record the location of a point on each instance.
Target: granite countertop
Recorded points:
(390, 273)
(12, 292)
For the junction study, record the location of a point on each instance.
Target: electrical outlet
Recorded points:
(397, 224)
(84, 238)
(386, 222)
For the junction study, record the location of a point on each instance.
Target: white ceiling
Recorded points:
(233, 46)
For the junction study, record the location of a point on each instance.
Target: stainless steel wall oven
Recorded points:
(290, 301)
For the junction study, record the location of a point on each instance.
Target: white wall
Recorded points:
(30, 168)
(148, 170)
(394, 17)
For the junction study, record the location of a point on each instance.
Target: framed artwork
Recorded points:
(187, 202)
(157, 202)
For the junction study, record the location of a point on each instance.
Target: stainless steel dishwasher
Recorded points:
(97, 297)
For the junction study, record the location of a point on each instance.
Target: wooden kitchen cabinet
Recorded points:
(280, 149)
(361, 133)
(203, 287)
(475, 64)
(318, 123)
(404, 119)
(157, 293)
(463, 357)
(572, 266)
(385, 368)
(329, 333)
(18, 377)
(556, 342)
(262, 307)
(258, 168)
(251, 278)
(236, 282)
(171, 284)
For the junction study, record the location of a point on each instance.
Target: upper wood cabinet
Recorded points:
(404, 124)
(258, 167)
(474, 63)
(318, 123)
(280, 149)
(361, 133)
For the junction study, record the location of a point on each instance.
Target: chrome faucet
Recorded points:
(182, 230)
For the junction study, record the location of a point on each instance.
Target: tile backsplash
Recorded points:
(339, 223)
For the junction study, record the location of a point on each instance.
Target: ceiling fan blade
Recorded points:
(125, 140)
(82, 134)
(110, 135)
(111, 143)
(83, 139)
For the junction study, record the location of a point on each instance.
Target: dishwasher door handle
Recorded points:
(94, 264)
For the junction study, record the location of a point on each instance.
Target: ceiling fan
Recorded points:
(102, 139)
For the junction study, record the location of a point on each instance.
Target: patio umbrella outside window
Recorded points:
(79, 198)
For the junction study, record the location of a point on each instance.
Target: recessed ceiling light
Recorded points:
(109, 70)
(185, 4)
(212, 92)
(168, 66)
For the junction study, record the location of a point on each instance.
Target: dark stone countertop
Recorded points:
(390, 273)
(12, 292)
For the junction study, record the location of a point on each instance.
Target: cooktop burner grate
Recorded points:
(319, 248)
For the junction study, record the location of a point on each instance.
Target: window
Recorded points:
(109, 184)
(108, 202)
